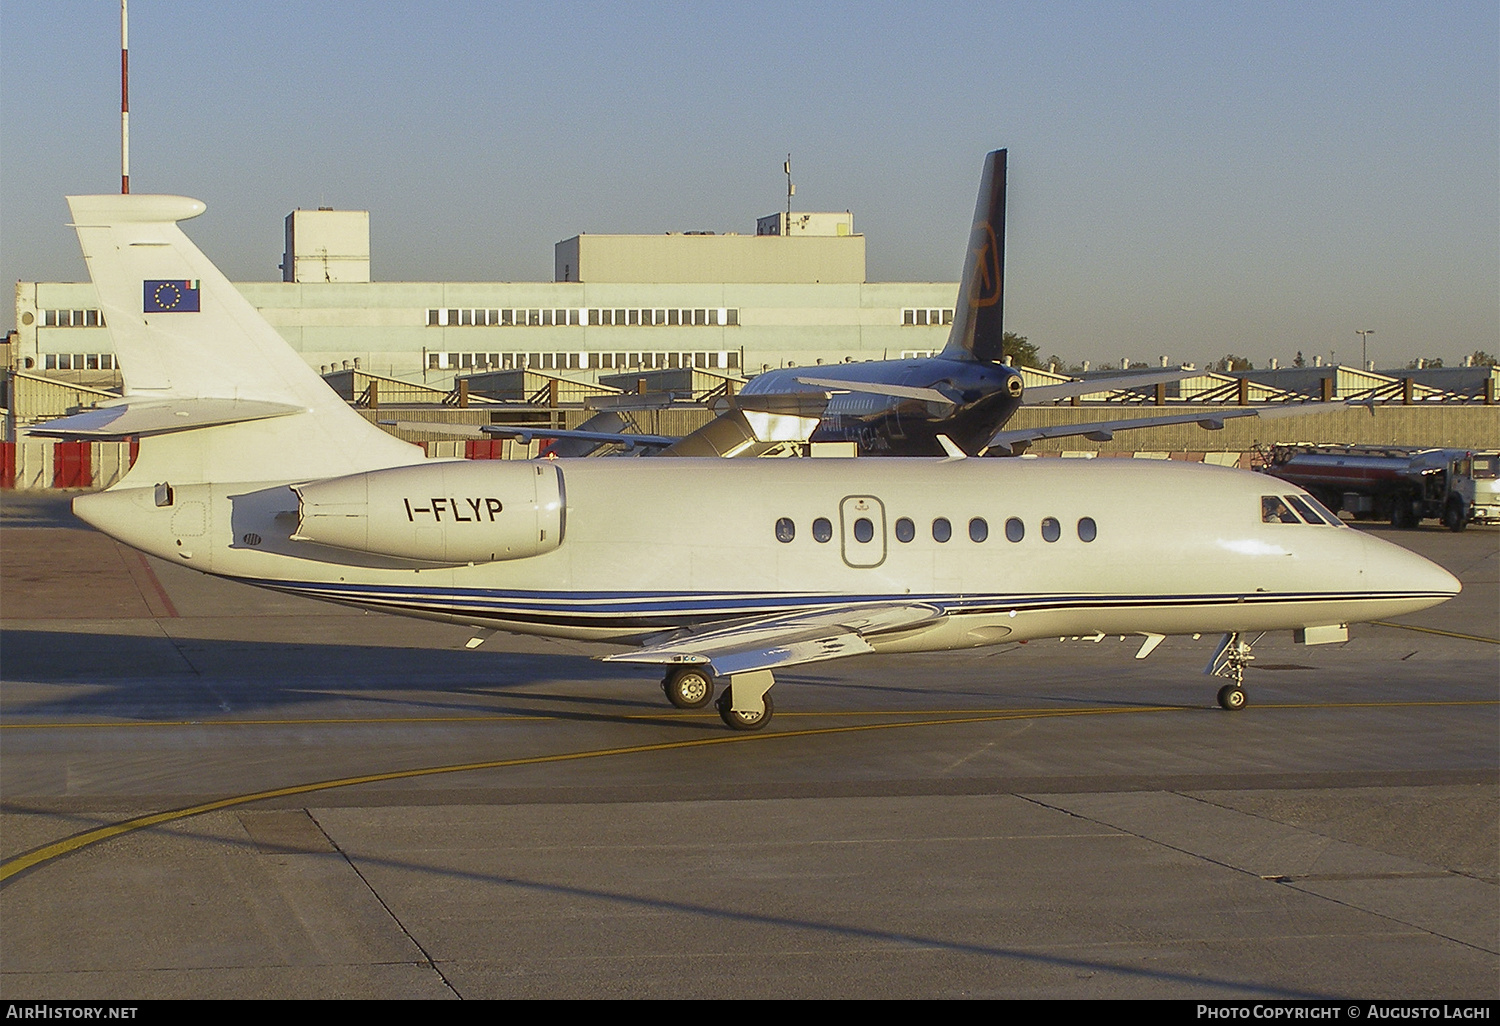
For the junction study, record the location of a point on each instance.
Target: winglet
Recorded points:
(953, 451)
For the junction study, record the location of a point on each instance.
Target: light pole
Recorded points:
(1364, 356)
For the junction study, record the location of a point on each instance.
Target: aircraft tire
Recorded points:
(740, 721)
(689, 687)
(1232, 697)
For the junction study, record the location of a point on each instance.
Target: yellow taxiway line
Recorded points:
(1434, 630)
(67, 846)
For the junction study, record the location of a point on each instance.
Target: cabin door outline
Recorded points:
(855, 511)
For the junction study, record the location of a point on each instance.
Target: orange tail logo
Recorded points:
(986, 290)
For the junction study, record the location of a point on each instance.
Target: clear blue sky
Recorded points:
(1186, 179)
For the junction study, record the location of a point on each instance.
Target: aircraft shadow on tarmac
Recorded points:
(150, 678)
(155, 677)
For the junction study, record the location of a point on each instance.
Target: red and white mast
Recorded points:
(124, 103)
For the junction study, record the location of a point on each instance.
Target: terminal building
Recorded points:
(792, 294)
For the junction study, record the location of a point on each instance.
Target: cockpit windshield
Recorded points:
(1486, 468)
(1278, 509)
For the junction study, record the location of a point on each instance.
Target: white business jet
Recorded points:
(721, 571)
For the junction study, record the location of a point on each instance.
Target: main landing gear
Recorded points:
(689, 687)
(744, 704)
(1229, 661)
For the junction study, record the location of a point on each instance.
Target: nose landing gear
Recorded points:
(1229, 660)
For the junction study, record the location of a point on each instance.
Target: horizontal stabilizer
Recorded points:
(143, 417)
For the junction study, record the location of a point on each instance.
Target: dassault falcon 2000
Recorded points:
(251, 468)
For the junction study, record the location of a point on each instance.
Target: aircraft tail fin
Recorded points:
(188, 343)
(978, 323)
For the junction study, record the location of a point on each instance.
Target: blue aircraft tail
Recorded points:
(978, 322)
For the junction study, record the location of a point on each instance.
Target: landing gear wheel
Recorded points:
(1232, 697)
(689, 687)
(743, 721)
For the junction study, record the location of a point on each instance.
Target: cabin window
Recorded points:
(1274, 510)
(822, 529)
(978, 529)
(1014, 529)
(1051, 529)
(785, 529)
(941, 529)
(1087, 529)
(864, 531)
(905, 530)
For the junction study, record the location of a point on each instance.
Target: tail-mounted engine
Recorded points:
(457, 512)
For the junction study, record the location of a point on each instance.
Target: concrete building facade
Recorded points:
(733, 303)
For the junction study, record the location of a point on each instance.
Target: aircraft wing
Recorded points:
(927, 395)
(625, 438)
(525, 434)
(1012, 442)
(1126, 382)
(761, 643)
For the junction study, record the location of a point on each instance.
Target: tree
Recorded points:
(1482, 359)
(1233, 363)
(1425, 361)
(1299, 360)
(1021, 352)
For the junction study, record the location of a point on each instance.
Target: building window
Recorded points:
(71, 319)
(925, 317)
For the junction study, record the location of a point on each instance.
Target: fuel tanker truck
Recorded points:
(1402, 485)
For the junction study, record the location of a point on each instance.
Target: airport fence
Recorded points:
(37, 464)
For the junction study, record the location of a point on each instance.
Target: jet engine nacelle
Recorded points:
(464, 511)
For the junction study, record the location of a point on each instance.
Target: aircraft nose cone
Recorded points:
(1394, 568)
(1441, 580)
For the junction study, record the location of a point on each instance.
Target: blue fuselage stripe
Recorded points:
(624, 609)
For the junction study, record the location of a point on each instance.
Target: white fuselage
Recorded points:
(647, 546)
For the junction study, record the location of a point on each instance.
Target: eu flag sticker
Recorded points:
(171, 297)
